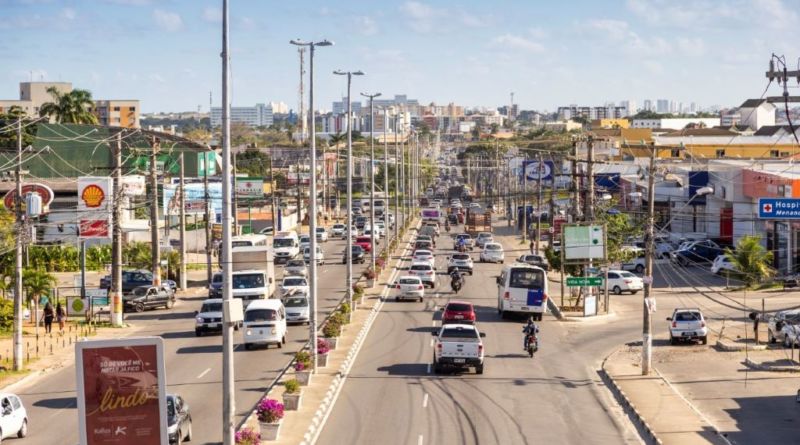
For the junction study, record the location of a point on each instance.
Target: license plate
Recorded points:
(688, 334)
(458, 317)
(212, 325)
(524, 308)
(260, 331)
(458, 360)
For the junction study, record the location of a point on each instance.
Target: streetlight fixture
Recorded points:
(312, 220)
(349, 247)
(372, 174)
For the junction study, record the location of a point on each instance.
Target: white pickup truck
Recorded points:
(458, 346)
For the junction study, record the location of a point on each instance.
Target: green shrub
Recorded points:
(292, 386)
(332, 329)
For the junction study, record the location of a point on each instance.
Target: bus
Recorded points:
(522, 288)
(253, 240)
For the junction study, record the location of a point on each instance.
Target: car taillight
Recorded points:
(420, 287)
(472, 316)
(506, 296)
(702, 324)
(480, 349)
(439, 347)
(628, 281)
(544, 298)
(398, 286)
(674, 324)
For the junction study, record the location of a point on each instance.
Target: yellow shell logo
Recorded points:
(93, 196)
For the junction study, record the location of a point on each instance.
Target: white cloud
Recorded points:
(68, 14)
(518, 42)
(168, 21)
(155, 77)
(653, 66)
(247, 23)
(615, 29)
(692, 47)
(366, 25)
(130, 2)
(421, 17)
(537, 33)
(774, 14)
(424, 18)
(212, 14)
(472, 20)
(619, 33)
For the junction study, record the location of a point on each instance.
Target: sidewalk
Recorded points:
(654, 403)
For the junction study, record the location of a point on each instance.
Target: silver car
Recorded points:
(483, 238)
(297, 308)
(295, 268)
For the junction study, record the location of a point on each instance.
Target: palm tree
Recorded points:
(336, 139)
(36, 283)
(75, 107)
(751, 260)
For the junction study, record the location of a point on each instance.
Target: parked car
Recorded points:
(295, 268)
(722, 265)
(148, 297)
(132, 279)
(297, 307)
(322, 235)
(687, 324)
(425, 272)
(338, 230)
(291, 283)
(461, 262)
(777, 323)
(535, 260)
(704, 251)
(458, 312)
(637, 263)
(209, 317)
(358, 254)
(483, 238)
(179, 419)
(492, 253)
(409, 286)
(14, 418)
(620, 281)
(458, 346)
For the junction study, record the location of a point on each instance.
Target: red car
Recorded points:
(458, 312)
(365, 242)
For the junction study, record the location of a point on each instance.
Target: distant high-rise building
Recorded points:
(693, 108)
(662, 106)
(630, 107)
(340, 107)
(279, 107)
(117, 113)
(258, 116)
(648, 105)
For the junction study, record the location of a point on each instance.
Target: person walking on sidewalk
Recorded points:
(61, 318)
(48, 316)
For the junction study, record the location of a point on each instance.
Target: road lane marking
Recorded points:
(429, 368)
(202, 374)
(425, 400)
(431, 343)
(419, 441)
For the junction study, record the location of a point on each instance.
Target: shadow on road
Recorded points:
(406, 369)
(60, 403)
(159, 316)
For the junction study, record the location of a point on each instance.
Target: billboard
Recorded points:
(250, 188)
(121, 391)
(778, 208)
(534, 171)
(586, 242)
(195, 197)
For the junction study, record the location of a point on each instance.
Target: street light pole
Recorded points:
(372, 173)
(349, 247)
(385, 175)
(647, 328)
(397, 183)
(312, 201)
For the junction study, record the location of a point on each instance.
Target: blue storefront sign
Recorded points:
(778, 208)
(535, 172)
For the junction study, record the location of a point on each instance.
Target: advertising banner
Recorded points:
(538, 172)
(121, 392)
(94, 193)
(250, 188)
(195, 197)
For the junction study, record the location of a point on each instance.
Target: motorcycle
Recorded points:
(461, 247)
(456, 283)
(532, 344)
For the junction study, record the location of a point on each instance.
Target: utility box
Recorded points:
(233, 311)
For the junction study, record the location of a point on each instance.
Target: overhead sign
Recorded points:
(584, 281)
(778, 208)
(42, 190)
(250, 188)
(535, 171)
(584, 242)
(122, 396)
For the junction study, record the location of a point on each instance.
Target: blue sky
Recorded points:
(166, 52)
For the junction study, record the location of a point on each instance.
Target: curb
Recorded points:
(621, 397)
(728, 347)
(762, 367)
(588, 319)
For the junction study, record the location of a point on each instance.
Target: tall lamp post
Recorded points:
(349, 247)
(372, 173)
(385, 174)
(312, 220)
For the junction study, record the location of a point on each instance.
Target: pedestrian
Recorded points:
(48, 318)
(61, 318)
(532, 246)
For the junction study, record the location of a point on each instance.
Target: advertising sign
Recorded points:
(538, 172)
(94, 228)
(133, 185)
(250, 188)
(778, 208)
(77, 305)
(195, 197)
(121, 391)
(584, 242)
(45, 192)
(94, 193)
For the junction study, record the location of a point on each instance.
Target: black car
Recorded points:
(358, 255)
(179, 420)
(132, 279)
(215, 288)
(147, 297)
(535, 260)
(361, 221)
(698, 252)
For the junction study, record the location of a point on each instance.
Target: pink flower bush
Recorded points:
(322, 346)
(247, 436)
(269, 410)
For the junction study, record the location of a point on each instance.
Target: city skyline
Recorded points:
(540, 52)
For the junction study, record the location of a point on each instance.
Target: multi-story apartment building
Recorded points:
(592, 113)
(259, 115)
(32, 95)
(117, 113)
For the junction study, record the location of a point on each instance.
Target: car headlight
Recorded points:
(199, 320)
(249, 332)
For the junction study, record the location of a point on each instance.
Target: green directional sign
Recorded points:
(584, 281)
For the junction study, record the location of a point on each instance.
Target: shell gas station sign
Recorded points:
(94, 206)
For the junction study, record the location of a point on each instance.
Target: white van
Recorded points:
(522, 288)
(264, 323)
(285, 246)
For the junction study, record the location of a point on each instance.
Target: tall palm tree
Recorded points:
(75, 107)
(751, 260)
(336, 139)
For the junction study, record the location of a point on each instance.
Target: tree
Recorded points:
(495, 129)
(253, 162)
(200, 135)
(35, 284)
(336, 139)
(476, 132)
(751, 260)
(8, 120)
(75, 107)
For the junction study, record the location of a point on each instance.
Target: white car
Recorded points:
(474, 205)
(779, 321)
(14, 419)
(209, 317)
(687, 324)
(636, 264)
(461, 262)
(620, 281)
(322, 235)
(368, 232)
(458, 346)
(297, 308)
(295, 268)
(425, 271)
(290, 283)
(422, 255)
(305, 241)
(320, 255)
(381, 228)
(338, 230)
(722, 264)
(492, 253)
(409, 286)
(483, 238)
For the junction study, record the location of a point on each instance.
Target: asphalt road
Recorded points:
(392, 397)
(193, 364)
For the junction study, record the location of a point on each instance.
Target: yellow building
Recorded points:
(117, 113)
(611, 123)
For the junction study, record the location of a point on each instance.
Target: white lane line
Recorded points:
(425, 399)
(431, 343)
(419, 441)
(429, 369)
(202, 374)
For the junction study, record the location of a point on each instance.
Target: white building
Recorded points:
(674, 123)
(756, 113)
(259, 115)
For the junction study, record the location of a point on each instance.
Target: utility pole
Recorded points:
(235, 209)
(228, 389)
(647, 337)
(590, 180)
(372, 174)
(207, 217)
(272, 192)
(116, 240)
(397, 181)
(182, 230)
(302, 115)
(385, 175)
(155, 145)
(576, 184)
(524, 199)
(539, 205)
(18, 357)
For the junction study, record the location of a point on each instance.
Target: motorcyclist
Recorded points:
(530, 328)
(455, 276)
(447, 226)
(461, 244)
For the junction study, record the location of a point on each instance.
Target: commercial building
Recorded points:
(259, 115)
(605, 112)
(32, 95)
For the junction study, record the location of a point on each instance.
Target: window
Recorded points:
(527, 278)
(248, 281)
(676, 152)
(132, 109)
(458, 307)
(211, 307)
(116, 108)
(256, 315)
(296, 302)
(774, 153)
(720, 153)
(460, 333)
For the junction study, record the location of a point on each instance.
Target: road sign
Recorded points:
(778, 208)
(584, 242)
(584, 281)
